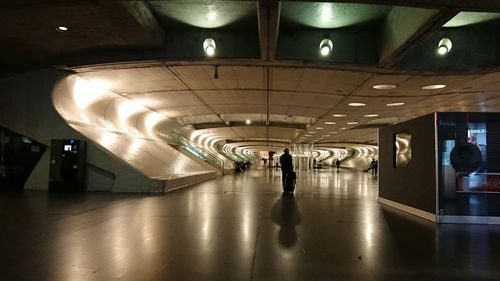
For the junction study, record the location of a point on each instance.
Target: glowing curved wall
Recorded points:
(125, 128)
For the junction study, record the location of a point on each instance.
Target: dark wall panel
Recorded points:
(414, 184)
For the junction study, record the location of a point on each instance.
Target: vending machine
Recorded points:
(67, 165)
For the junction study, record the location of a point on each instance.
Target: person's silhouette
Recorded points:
(286, 162)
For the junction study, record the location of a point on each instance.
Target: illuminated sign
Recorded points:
(477, 131)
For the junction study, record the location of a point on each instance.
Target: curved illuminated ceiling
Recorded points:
(267, 67)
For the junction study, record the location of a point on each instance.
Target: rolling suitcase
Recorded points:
(290, 180)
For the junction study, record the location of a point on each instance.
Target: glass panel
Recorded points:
(469, 164)
(18, 157)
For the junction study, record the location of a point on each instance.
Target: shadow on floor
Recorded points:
(285, 213)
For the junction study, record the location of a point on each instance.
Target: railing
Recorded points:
(331, 154)
(350, 154)
(197, 151)
(221, 151)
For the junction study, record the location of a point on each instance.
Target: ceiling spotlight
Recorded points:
(352, 123)
(319, 128)
(330, 123)
(325, 47)
(228, 123)
(395, 104)
(248, 121)
(209, 46)
(357, 104)
(370, 115)
(444, 46)
(62, 28)
(339, 115)
(433, 87)
(384, 87)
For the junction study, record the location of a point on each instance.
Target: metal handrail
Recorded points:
(198, 151)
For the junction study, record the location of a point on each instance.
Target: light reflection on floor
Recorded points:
(238, 227)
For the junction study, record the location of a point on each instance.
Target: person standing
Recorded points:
(286, 162)
(337, 163)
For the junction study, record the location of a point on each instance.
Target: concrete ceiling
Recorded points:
(267, 67)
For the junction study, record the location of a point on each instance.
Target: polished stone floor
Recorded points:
(238, 227)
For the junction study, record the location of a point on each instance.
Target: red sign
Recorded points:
(478, 183)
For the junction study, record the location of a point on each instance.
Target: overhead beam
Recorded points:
(470, 5)
(405, 28)
(268, 15)
(142, 13)
(465, 5)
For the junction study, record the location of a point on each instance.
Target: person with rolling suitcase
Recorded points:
(288, 176)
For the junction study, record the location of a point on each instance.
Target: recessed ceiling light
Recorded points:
(325, 47)
(339, 115)
(319, 128)
(442, 50)
(357, 104)
(333, 132)
(308, 135)
(326, 136)
(330, 123)
(343, 128)
(248, 121)
(209, 46)
(352, 123)
(384, 87)
(62, 28)
(370, 115)
(444, 46)
(433, 87)
(395, 104)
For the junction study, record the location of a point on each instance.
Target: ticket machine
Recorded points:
(67, 165)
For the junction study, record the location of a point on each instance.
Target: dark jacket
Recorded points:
(286, 163)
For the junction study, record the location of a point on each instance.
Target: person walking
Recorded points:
(286, 162)
(374, 166)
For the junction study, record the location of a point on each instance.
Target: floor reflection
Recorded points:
(239, 227)
(286, 214)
